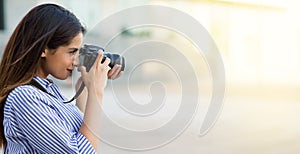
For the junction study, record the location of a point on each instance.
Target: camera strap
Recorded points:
(39, 86)
(77, 93)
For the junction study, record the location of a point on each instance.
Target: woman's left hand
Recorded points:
(115, 72)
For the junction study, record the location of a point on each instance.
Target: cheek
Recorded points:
(57, 63)
(65, 60)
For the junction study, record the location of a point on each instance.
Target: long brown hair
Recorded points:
(44, 26)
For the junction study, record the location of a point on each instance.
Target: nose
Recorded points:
(76, 61)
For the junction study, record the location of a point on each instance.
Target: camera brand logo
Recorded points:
(158, 63)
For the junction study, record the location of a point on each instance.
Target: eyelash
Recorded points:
(73, 52)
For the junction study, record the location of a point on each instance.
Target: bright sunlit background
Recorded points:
(259, 41)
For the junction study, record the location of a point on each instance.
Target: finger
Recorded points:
(119, 74)
(83, 71)
(99, 59)
(107, 70)
(106, 62)
(113, 70)
(114, 74)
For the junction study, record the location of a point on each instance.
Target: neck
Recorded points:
(41, 73)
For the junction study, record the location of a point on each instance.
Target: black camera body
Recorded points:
(88, 55)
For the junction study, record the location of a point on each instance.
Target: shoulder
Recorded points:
(24, 94)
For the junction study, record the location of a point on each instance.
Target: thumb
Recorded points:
(83, 70)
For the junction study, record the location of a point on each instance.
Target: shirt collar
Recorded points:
(44, 82)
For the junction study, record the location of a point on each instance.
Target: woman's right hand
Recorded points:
(96, 78)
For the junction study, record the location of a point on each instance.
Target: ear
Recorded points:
(45, 52)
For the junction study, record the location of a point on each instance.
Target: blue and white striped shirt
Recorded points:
(36, 122)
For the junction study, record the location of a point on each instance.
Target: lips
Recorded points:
(70, 70)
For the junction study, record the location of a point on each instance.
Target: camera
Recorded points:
(88, 54)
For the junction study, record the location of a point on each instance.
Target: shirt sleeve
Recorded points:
(43, 128)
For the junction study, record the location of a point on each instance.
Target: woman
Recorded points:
(46, 42)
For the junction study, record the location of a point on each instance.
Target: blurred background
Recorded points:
(259, 44)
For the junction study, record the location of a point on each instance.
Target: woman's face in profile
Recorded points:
(61, 62)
